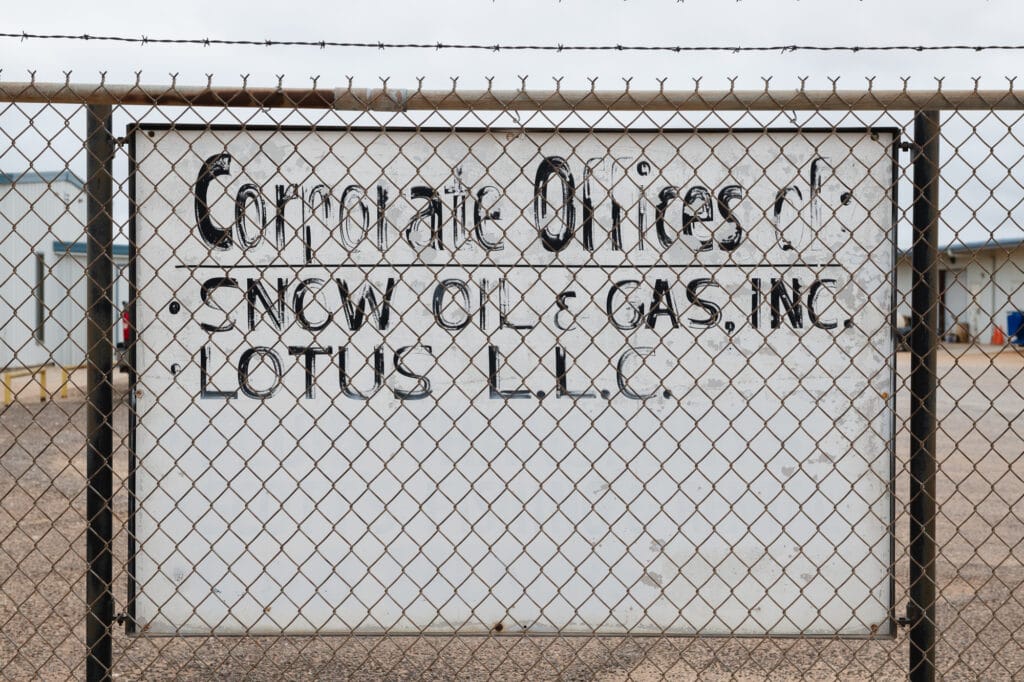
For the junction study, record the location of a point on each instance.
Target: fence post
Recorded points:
(99, 404)
(923, 385)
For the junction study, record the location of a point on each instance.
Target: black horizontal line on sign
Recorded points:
(558, 266)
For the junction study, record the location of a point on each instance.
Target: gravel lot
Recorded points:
(981, 573)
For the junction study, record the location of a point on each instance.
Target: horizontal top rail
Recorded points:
(398, 99)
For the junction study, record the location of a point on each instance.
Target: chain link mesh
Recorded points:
(495, 393)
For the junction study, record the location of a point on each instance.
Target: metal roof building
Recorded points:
(980, 283)
(42, 269)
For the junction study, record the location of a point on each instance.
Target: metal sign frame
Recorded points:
(136, 129)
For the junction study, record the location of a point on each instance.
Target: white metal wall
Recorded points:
(34, 215)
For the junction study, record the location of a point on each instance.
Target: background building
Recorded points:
(42, 270)
(979, 283)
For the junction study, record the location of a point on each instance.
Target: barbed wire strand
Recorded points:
(323, 44)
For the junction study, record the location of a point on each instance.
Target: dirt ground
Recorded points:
(980, 567)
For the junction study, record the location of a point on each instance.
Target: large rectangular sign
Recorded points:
(531, 380)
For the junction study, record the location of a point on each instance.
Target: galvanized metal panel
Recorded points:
(68, 323)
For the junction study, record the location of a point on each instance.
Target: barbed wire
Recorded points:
(496, 47)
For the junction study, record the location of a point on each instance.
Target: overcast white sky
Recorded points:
(693, 22)
(696, 22)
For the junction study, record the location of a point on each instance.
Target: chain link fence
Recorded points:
(405, 384)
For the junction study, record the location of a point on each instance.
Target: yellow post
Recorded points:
(42, 385)
(7, 388)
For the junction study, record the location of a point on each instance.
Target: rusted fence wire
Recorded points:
(404, 383)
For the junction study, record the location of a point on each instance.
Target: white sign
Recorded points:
(578, 382)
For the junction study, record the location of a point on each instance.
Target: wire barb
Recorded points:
(24, 36)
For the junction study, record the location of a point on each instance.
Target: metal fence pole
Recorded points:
(923, 384)
(99, 406)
